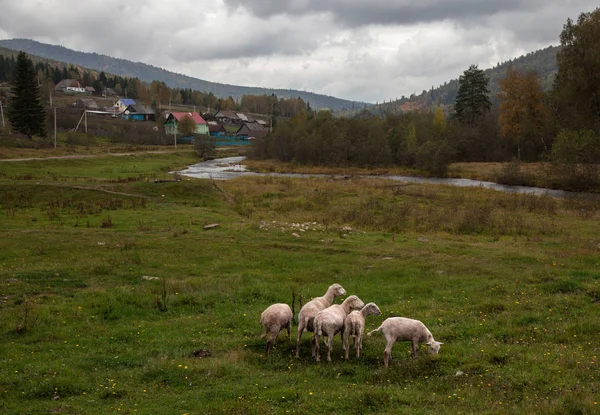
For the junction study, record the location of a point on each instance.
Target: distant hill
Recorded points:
(543, 62)
(148, 73)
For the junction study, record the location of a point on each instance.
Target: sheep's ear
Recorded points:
(440, 343)
(428, 344)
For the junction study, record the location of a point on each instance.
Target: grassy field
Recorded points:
(109, 283)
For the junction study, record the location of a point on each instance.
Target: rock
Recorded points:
(296, 235)
(212, 226)
(346, 229)
(422, 239)
(148, 278)
(440, 272)
(387, 258)
(459, 373)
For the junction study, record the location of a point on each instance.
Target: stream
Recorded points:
(232, 167)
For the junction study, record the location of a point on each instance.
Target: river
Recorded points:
(232, 167)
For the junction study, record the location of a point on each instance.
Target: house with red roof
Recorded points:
(173, 119)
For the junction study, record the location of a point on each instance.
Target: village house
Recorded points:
(139, 112)
(86, 103)
(216, 129)
(122, 104)
(173, 119)
(69, 85)
(251, 129)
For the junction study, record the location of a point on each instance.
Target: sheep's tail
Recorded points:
(377, 329)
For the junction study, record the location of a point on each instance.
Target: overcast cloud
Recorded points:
(361, 50)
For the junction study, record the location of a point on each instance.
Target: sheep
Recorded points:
(406, 329)
(274, 319)
(309, 311)
(330, 321)
(354, 326)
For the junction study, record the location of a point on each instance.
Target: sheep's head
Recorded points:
(371, 309)
(337, 289)
(434, 347)
(354, 302)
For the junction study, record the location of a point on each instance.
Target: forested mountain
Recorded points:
(149, 73)
(542, 62)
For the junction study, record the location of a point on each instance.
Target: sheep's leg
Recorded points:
(361, 333)
(301, 325)
(272, 339)
(415, 347)
(329, 347)
(289, 331)
(387, 353)
(358, 345)
(346, 344)
(315, 347)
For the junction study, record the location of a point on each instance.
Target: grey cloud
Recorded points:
(385, 12)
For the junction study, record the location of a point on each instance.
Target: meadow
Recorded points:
(109, 283)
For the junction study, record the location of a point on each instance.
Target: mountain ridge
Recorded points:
(149, 73)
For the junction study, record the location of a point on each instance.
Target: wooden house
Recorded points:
(216, 129)
(251, 129)
(86, 103)
(139, 112)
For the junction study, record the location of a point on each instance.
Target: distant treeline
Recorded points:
(157, 94)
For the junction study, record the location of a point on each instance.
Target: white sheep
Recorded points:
(309, 311)
(330, 321)
(354, 326)
(274, 319)
(406, 329)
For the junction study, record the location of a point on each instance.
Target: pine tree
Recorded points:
(25, 110)
(472, 100)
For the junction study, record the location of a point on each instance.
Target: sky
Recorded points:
(363, 50)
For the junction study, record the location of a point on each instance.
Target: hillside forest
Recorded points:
(520, 121)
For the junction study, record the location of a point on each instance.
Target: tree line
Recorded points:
(523, 122)
(156, 93)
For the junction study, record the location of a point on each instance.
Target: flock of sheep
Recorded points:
(325, 319)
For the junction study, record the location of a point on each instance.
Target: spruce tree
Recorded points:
(472, 100)
(25, 110)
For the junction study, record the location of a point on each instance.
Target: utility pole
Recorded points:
(85, 113)
(54, 127)
(2, 114)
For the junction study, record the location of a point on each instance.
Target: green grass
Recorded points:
(510, 284)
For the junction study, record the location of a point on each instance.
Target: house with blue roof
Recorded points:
(122, 104)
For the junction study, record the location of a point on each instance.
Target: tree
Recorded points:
(187, 126)
(439, 120)
(522, 114)
(577, 83)
(25, 110)
(472, 99)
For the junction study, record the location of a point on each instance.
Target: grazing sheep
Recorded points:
(354, 326)
(274, 319)
(330, 321)
(405, 329)
(309, 311)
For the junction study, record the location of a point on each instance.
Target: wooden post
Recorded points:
(85, 112)
(2, 114)
(54, 127)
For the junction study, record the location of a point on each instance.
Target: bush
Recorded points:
(205, 146)
(575, 156)
(434, 157)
